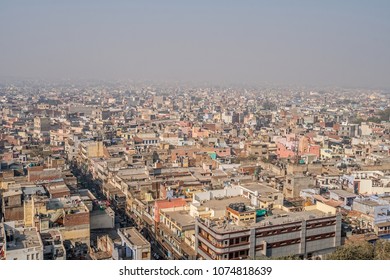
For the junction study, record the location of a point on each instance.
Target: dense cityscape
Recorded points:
(139, 171)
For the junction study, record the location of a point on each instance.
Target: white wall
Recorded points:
(208, 195)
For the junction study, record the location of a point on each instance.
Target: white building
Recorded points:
(135, 246)
(21, 243)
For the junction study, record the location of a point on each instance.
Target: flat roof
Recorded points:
(368, 202)
(343, 193)
(33, 190)
(134, 236)
(278, 217)
(57, 188)
(23, 238)
(122, 173)
(74, 202)
(259, 187)
(181, 217)
(221, 204)
(104, 211)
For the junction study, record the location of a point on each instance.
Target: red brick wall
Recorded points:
(40, 175)
(14, 213)
(76, 219)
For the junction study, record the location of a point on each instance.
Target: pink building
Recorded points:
(168, 203)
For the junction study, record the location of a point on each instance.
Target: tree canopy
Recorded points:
(380, 250)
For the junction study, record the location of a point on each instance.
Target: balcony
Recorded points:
(225, 248)
(207, 254)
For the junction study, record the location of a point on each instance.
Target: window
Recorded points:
(145, 255)
(244, 239)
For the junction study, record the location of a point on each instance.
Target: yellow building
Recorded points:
(91, 149)
(240, 213)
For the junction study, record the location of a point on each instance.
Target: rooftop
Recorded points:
(33, 190)
(220, 204)
(181, 217)
(262, 189)
(279, 217)
(73, 202)
(22, 238)
(57, 188)
(134, 236)
(368, 202)
(343, 193)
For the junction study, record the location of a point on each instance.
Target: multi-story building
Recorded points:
(136, 247)
(349, 130)
(295, 183)
(21, 243)
(307, 234)
(42, 128)
(90, 149)
(69, 215)
(53, 247)
(176, 232)
(375, 213)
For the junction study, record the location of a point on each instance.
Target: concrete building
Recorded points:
(262, 196)
(345, 197)
(375, 213)
(53, 247)
(21, 243)
(102, 218)
(69, 215)
(349, 130)
(136, 247)
(370, 182)
(307, 234)
(90, 149)
(176, 232)
(42, 128)
(295, 183)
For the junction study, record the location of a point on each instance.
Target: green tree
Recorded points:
(382, 250)
(353, 251)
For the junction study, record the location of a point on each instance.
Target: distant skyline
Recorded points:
(327, 43)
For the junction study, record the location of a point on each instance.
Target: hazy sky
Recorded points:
(327, 42)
